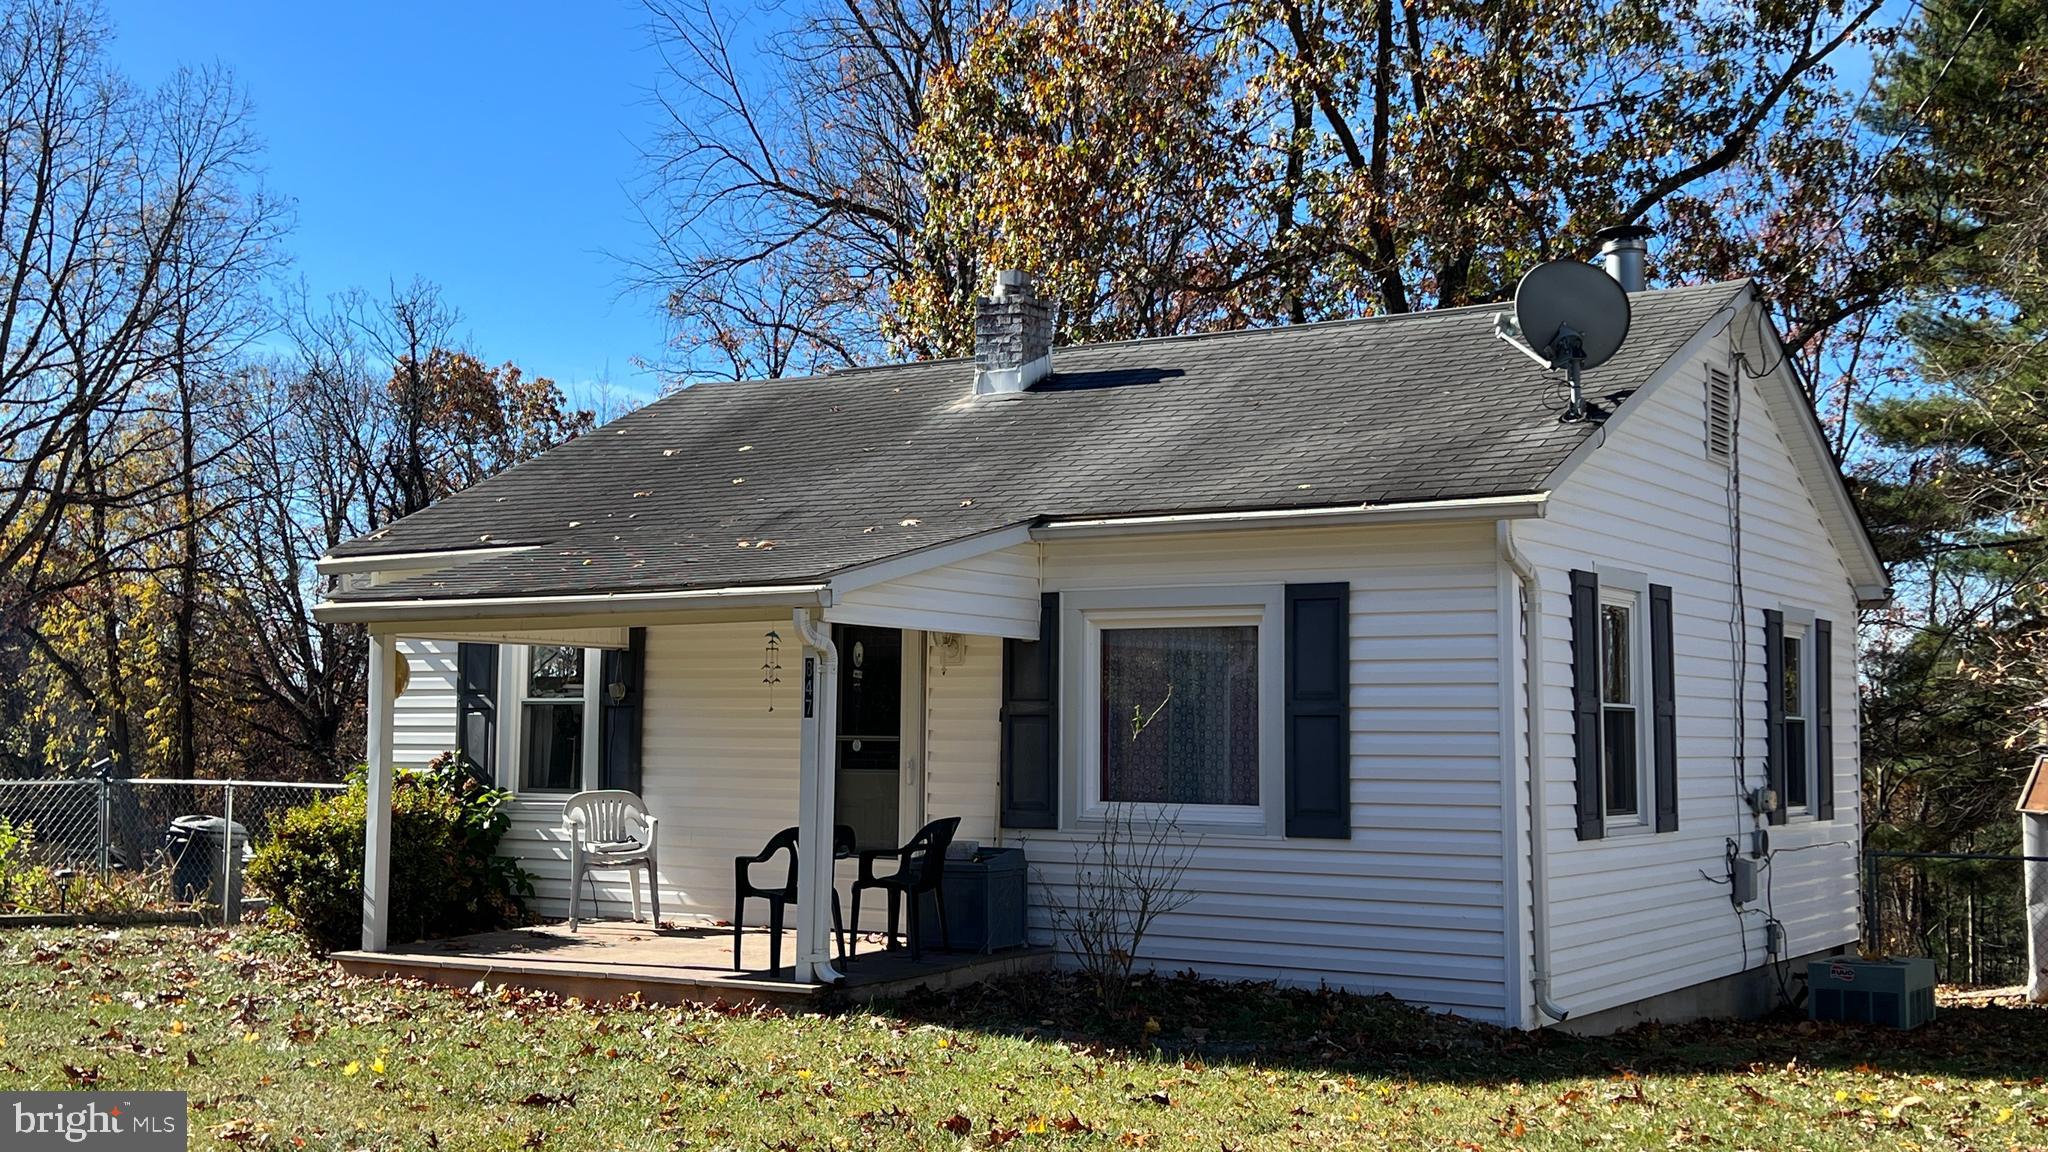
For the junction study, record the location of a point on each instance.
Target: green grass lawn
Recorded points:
(279, 1050)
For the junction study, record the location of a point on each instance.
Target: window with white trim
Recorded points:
(556, 728)
(1624, 712)
(1178, 704)
(1799, 756)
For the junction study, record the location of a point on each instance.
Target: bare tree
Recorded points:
(403, 332)
(132, 229)
(114, 205)
(795, 179)
(375, 415)
(302, 490)
(217, 309)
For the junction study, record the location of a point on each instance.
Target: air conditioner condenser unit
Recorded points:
(1893, 992)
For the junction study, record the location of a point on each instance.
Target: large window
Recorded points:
(1180, 715)
(1623, 717)
(1798, 760)
(1176, 706)
(553, 709)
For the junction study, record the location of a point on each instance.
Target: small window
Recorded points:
(1798, 763)
(1620, 714)
(1720, 415)
(1180, 715)
(552, 709)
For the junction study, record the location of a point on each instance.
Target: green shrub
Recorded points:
(20, 875)
(446, 876)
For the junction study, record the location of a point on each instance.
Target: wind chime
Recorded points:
(771, 666)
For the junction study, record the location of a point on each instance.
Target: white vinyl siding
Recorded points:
(994, 594)
(962, 736)
(1632, 916)
(423, 716)
(1412, 903)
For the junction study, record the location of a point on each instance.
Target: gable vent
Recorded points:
(1720, 415)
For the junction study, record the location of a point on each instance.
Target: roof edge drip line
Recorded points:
(1527, 506)
(582, 604)
(447, 557)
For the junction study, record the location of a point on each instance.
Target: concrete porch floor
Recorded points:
(609, 959)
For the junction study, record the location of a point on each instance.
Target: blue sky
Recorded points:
(489, 147)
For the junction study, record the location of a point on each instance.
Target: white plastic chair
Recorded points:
(607, 830)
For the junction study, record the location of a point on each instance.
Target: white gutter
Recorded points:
(590, 604)
(1483, 508)
(1539, 847)
(334, 565)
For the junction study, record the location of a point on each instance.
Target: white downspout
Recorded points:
(817, 784)
(383, 691)
(1539, 823)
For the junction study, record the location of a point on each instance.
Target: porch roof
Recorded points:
(733, 486)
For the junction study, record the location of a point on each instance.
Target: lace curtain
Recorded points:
(1180, 715)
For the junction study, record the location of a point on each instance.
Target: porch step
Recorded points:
(612, 960)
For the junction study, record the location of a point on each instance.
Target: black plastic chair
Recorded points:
(779, 898)
(920, 869)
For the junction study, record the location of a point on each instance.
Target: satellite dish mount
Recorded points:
(1568, 317)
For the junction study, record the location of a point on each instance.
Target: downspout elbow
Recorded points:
(816, 635)
(1540, 984)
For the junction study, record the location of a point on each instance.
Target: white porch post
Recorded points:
(816, 801)
(377, 825)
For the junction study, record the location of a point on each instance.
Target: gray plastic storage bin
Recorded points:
(984, 902)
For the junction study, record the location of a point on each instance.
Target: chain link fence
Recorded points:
(1964, 910)
(104, 843)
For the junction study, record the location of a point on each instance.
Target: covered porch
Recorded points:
(610, 960)
(751, 711)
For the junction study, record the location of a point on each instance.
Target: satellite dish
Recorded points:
(1573, 316)
(1564, 299)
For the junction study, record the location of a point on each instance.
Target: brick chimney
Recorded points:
(1012, 337)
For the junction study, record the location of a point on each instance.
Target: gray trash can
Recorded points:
(196, 846)
(984, 902)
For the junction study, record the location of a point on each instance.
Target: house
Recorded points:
(1506, 715)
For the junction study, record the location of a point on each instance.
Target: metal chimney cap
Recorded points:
(1620, 235)
(1013, 282)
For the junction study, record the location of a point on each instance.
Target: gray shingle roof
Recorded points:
(773, 482)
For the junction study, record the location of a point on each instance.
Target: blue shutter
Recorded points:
(476, 708)
(1318, 710)
(619, 713)
(1030, 723)
(1824, 719)
(1664, 700)
(1774, 709)
(1586, 704)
